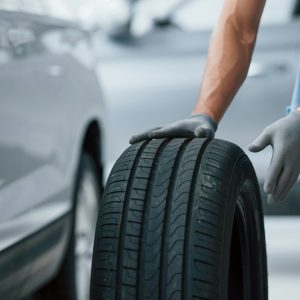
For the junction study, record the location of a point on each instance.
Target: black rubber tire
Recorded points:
(180, 219)
(63, 286)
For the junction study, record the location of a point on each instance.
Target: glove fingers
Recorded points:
(272, 198)
(292, 180)
(202, 131)
(138, 137)
(171, 132)
(143, 136)
(283, 180)
(273, 173)
(261, 142)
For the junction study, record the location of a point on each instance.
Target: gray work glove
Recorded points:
(284, 169)
(199, 125)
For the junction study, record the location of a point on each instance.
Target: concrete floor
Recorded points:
(283, 246)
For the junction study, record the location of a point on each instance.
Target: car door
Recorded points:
(39, 75)
(28, 156)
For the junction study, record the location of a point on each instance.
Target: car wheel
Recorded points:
(73, 280)
(180, 219)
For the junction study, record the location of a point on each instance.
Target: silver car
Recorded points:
(51, 149)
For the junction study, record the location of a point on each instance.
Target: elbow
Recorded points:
(245, 32)
(248, 36)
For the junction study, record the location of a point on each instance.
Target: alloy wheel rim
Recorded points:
(85, 225)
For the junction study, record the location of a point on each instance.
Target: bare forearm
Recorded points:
(226, 69)
(229, 57)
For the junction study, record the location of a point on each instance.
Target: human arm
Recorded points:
(229, 57)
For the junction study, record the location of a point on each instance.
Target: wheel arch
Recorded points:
(92, 144)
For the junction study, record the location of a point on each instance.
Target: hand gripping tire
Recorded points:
(180, 219)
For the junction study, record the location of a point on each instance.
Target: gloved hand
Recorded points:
(198, 125)
(284, 169)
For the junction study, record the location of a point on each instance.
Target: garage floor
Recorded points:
(283, 245)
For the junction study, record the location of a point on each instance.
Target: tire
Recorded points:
(180, 219)
(73, 279)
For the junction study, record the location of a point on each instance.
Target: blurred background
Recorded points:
(148, 58)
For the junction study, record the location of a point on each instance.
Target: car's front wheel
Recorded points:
(73, 280)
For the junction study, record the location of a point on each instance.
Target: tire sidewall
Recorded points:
(242, 173)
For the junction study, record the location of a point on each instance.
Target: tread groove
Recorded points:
(145, 217)
(186, 266)
(121, 245)
(166, 224)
